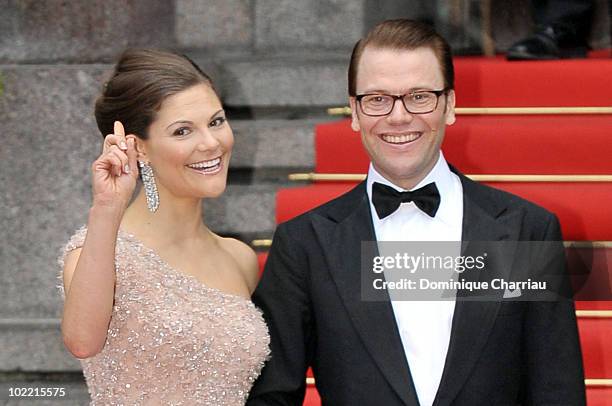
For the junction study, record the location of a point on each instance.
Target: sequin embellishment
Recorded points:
(171, 339)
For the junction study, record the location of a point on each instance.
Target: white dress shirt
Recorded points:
(424, 326)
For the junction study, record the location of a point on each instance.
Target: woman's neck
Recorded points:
(175, 221)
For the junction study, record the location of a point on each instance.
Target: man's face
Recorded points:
(403, 147)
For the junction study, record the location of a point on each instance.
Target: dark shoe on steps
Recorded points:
(548, 43)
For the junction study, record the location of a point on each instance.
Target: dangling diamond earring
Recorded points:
(150, 187)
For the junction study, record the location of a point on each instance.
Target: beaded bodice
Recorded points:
(171, 339)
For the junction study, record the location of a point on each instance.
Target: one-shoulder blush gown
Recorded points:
(171, 339)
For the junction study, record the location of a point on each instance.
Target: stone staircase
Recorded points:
(277, 64)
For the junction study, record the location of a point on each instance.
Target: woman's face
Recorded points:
(189, 144)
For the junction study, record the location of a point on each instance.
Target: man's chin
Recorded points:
(401, 175)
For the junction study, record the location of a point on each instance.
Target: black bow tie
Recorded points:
(386, 199)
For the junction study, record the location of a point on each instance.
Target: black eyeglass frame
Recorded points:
(396, 97)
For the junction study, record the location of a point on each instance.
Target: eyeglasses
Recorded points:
(380, 104)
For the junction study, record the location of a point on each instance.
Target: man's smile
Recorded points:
(401, 138)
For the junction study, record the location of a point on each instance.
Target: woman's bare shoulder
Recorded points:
(244, 256)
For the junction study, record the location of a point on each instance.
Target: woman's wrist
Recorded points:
(107, 214)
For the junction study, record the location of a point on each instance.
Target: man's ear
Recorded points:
(354, 119)
(450, 107)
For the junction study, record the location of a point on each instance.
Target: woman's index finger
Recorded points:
(118, 128)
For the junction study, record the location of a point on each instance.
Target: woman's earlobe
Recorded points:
(140, 148)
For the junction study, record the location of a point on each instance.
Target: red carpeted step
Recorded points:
(599, 396)
(596, 346)
(492, 82)
(261, 260)
(291, 202)
(338, 149)
(582, 208)
(312, 396)
(594, 305)
(591, 277)
(492, 145)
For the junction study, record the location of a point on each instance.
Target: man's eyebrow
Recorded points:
(412, 89)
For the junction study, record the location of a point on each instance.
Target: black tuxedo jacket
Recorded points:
(519, 353)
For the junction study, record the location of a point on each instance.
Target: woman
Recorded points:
(156, 305)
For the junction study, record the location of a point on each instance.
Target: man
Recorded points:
(386, 352)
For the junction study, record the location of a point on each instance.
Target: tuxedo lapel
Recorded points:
(341, 234)
(484, 219)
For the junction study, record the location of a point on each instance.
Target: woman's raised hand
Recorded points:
(116, 170)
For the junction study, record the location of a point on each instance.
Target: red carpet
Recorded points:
(494, 82)
(596, 351)
(492, 145)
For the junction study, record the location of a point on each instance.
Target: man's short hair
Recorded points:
(404, 34)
